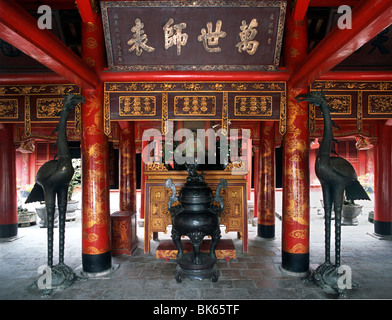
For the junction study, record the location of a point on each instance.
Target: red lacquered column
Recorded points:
(8, 199)
(266, 177)
(96, 254)
(295, 215)
(128, 168)
(383, 181)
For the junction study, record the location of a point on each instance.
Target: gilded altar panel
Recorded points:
(157, 216)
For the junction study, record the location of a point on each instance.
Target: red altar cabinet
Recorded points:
(157, 217)
(124, 238)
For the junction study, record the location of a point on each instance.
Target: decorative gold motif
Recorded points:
(49, 107)
(165, 113)
(137, 106)
(340, 104)
(195, 105)
(359, 113)
(106, 114)
(253, 105)
(9, 108)
(225, 113)
(380, 104)
(282, 113)
(91, 43)
(155, 166)
(193, 86)
(27, 116)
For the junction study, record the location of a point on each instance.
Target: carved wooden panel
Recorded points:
(36, 103)
(157, 216)
(357, 100)
(214, 101)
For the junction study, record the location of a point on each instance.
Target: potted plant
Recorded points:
(26, 218)
(72, 204)
(350, 212)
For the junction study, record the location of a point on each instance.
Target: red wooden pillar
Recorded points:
(127, 167)
(295, 217)
(266, 181)
(8, 198)
(383, 181)
(256, 171)
(96, 254)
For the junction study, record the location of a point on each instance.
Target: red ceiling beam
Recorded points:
(358, 75)
(282, 75)
(300, 8)
(17, 78)
(20, 29)
(333, 3)
(87, 12)
(369, 18)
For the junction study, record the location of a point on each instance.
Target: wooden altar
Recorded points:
(157, 217)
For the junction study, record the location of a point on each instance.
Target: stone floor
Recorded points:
(253, 275)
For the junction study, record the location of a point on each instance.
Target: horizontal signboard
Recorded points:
(197, 35)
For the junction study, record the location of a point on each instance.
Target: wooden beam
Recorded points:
(333, 3)
(20, 29)
(358, 75)
(87, 12)
(300, 8)
(30, 78)
(369, 18)
(281, 75)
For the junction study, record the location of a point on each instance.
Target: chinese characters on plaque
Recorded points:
(174, 36)
(193, 36)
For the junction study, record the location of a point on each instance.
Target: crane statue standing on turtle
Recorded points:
(338, 178)
(53, 180)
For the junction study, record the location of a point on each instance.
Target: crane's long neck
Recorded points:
(326, 144)
(62, 143)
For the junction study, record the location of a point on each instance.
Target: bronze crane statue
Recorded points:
(338, 178)
(52, 180)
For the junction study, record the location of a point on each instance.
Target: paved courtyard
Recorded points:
(253, 275)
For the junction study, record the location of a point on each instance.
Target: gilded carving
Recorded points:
(9, 108)
(49, 107)
(27, 116)
(137, 106)
(91, 43)
(379, 104)
(253, 105)
(155, 166)
(340, 104)
(193, 86)
(195, 105)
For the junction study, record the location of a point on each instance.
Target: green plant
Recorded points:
(76, 178)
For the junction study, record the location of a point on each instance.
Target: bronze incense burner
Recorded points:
(196, 216)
